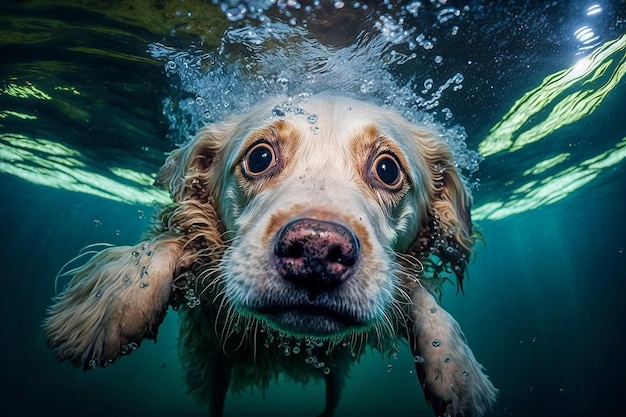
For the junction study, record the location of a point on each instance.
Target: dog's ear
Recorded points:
(113, 302)
(192, 171)
(445, 238)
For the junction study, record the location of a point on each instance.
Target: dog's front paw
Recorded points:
(112, 303)
(453, 381)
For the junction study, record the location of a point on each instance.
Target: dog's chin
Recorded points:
(315, 322)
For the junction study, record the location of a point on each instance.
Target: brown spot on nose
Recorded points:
(315, 255)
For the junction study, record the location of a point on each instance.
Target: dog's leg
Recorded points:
(334, 382)
(118, 298)
(220, 381)
(453, 381)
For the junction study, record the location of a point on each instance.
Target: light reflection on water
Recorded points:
(255, 61)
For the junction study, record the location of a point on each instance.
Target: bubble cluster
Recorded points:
(192, 299)
(256, 61)
(236, 10)
(312, 351)
(129, 348)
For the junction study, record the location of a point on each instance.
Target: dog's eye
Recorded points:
(259, 159)
(387, 170)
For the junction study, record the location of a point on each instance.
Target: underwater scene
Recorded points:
(529, 97)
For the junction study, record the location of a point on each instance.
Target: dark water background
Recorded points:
(544, 309)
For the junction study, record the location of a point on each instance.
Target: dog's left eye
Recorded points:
(386, 170)
(259, 159)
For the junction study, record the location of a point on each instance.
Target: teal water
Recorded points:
(543, 307)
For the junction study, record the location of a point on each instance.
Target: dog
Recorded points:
(297, 238)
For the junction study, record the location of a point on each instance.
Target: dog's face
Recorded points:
(317, 207)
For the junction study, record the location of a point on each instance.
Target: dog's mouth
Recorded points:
(311, 319)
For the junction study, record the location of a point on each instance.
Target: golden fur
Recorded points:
(216, 255)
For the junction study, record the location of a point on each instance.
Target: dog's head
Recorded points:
(326, 211)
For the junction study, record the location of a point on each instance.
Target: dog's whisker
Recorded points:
(229, 326)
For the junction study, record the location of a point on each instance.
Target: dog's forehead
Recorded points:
(344, 117)
(325, 131)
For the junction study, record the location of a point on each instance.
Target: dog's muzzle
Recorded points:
(313, 258)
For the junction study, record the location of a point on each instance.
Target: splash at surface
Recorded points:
(267, 58)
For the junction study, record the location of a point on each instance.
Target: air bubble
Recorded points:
(436, 343)
(312, 118)
(171, 65)
(200, 101)
(418, 359)
(143, 285)
(367, 87)
(446, 359)
(234, 13)
(279, 112)
(438, 59)
(448, 13)
(282, 82)
(296, 350)
(326, 370)
(389, 368)
(339, 4)
(413, 8)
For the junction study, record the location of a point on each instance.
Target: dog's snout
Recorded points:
(315, 255)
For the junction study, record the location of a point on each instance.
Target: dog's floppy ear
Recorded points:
(192, 172)
(113, 302)
(445, 237)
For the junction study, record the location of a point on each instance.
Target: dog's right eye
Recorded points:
(386, 170)
(259, 159)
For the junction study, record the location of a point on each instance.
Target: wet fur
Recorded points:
(202, 259)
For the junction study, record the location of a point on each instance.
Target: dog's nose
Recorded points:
(315, 255)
